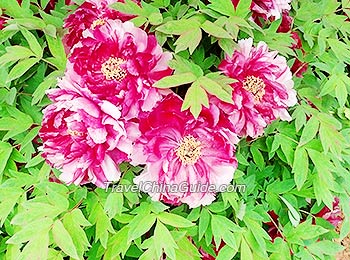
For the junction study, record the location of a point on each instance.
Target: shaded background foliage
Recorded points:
(294, 170)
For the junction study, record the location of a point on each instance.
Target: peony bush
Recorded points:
(174, 129)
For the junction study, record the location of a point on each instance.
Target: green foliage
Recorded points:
(295, 168)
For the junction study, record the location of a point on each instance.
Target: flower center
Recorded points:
(189, 150)
(75, 133)
(111, 69)
(97, 22)
(256, 86)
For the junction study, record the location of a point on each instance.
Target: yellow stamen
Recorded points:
(111, 69)
(189, 150)
(256, 86)
(97, 22)
(75, 133)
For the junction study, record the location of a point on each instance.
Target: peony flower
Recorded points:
(273, 231)
(119, 62)
(263, 91)
(182, 155)
(286, 24)
(86, 141)
(298, 68)
(334, 215)
(267, 9)
(91, 14)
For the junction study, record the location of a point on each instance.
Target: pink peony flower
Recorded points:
(91, 14)
(334, 215)
(184, 155)
(85, 140)
(119, 62)
(267, 9)
(263, 91)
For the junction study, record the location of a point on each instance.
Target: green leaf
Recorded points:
(226, 252)
(194, 99)
(114, 204)
(47, 83)
(117, 244)
(204, 222)
(128, 7)
(325, 247)
(21, 67)
(243, 8)
(190, 40)
(9, 197)
(73, 221)
(304, 231)
(57, 51)
(214, 88)
(293, 215)
(257, 157)
(300, 167)
(341, 93)
(215, 30)
(165, 241)
(228, 46)
(310, 131)
(174, 220)
(175, 80)
(13, 8)
(20, 123)
(140, 225)
(37, 247)
(179, 27)
(224, 7)
(246, 252)
(187, 250)
(33, 43)
(103, 224)
(5, 153)
(29, 231)
(181, 66)
(31, 23)
(63, 239)
(15, 53)
(340, 49)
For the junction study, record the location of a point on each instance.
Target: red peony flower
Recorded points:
(267, 9)
(272, 228)
(91, 14)
(286, 24)
(299, 68)
(334, 215)
(189, 158)
(264, 89)
(119, 62)
(85, 140)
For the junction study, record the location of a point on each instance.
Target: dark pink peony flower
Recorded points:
(86, 141)
(2, 23)
(119, 62)
(273, 230)
(91, 14)
(267, 9)
(264, 89)
(184, 155)
(286, 24)
(299, 68)
(334, 215)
